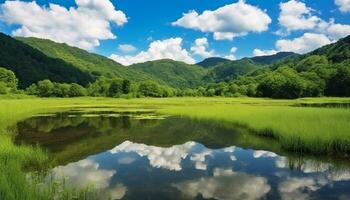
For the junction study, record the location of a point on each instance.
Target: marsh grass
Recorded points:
(297, 129)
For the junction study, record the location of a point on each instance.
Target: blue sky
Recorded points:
(298, 26)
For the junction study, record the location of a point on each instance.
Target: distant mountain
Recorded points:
(212, 62)
(91, 63)
(31, 65)
(174, 73)
(273, 58)
(231, 70)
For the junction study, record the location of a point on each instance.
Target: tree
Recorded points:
(115, 88)
(9, 78)
(76, 90)
(149, 89)
(3, 88)
(126, 86)
(339, 83)
(283, 83)
(45, 88)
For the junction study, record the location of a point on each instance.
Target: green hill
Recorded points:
(91, 63)
(273, 58)
(212, 62)
(31, 65)
(174, 73)
(336, 52)
(231, 70)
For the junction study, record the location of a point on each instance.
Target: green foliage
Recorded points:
(283, 83)
(173, 73)
(213, 62)
(8, 77)
(231, 70)
(93, 64)
(31, 65)
(3, 88)
(115, 88)
(273, 58)
(46, 88)
(339, 83)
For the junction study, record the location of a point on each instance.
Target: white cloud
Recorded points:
(295, 15)
(226, 184)
(337, 31)
(159, 157)
(264, 154)
(200, 48)
(82, 26)
(227, 22)
(259, 52)
(127, 48)
(294, 188)
(160, 49)
(231, 55)
(171, 158)
(85, 172)
(344, 5)
(303, 44)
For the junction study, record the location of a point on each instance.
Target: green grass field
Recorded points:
(323, 131)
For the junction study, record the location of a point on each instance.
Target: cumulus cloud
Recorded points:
(336, 31)
(344, 5)
(85, 172)
(160, 49)
(226, 184)
(159, 157)
(295, 15)
(127, 48)
(201, 48)
(231, 55)
(303, 44)
(171, 158)
(264, 154)
(294, 188)
(82, 26)
(259, 52)
(227, 22)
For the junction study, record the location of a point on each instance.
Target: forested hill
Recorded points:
(31, 65)
(221, 69)
(337, 52)
(174, 73)
(169, 72)
(94, 64)
(324, 71)
(273, 58)
(212, 62)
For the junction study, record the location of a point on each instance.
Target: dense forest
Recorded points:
(48, 69)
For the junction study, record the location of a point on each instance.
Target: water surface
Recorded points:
(141, 155)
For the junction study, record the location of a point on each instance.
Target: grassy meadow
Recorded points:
(314, 130)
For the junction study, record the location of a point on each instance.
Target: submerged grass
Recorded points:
(298, 129)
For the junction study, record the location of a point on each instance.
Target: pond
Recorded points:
(142, 155)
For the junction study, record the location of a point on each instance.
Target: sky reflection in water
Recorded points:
(193, 171)
(185, 170)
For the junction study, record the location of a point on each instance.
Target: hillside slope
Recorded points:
(94, 64)
(212, 62)
(273, 58)
(176, 74)
(231, 70)
(31, 65)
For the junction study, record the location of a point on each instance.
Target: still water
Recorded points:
(142, 155)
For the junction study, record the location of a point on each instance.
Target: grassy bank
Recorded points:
(298, 129)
